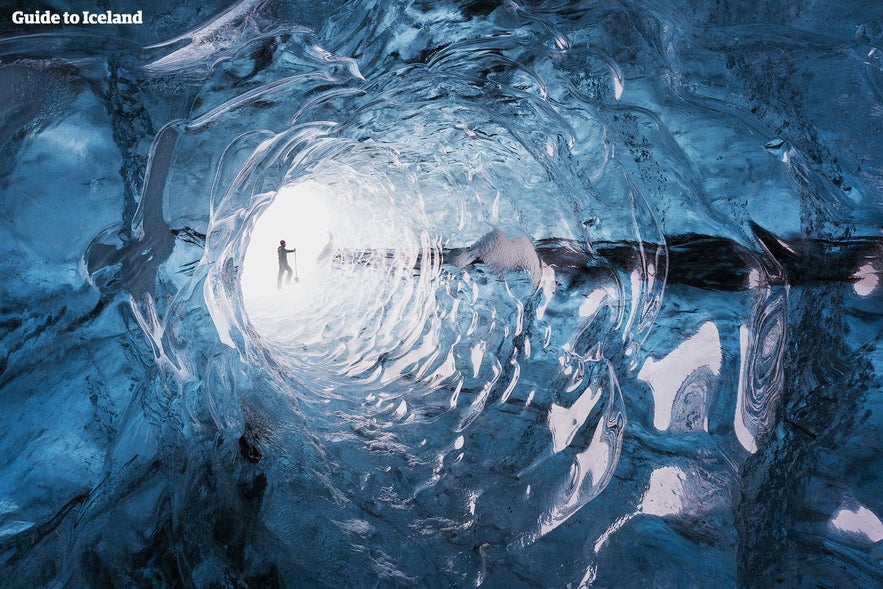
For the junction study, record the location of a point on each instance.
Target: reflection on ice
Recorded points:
(594, 464)
(681, 381)
(857, 521)
(665, 493)
(761, 373)
(867, 279)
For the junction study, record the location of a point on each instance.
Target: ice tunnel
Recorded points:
(441, 294)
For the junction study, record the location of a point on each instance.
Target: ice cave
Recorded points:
(456, 293)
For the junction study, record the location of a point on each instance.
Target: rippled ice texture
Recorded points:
(596, 302)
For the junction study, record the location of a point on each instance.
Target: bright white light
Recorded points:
(299, 215)
(354, 296)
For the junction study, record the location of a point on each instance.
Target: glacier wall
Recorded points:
(587, 294)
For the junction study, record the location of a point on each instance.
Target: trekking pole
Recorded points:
(296, 279)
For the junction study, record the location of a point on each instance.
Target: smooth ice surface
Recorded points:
(585, 294)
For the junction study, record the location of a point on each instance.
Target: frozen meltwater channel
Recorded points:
(582, 295)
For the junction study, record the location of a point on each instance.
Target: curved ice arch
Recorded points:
(443, 170)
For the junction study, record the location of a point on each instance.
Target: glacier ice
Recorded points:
(588, 295)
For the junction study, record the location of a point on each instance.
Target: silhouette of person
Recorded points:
(283, 263)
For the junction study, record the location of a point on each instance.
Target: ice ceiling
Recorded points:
(585, 294)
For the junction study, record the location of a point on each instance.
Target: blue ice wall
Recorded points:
(587, 295)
